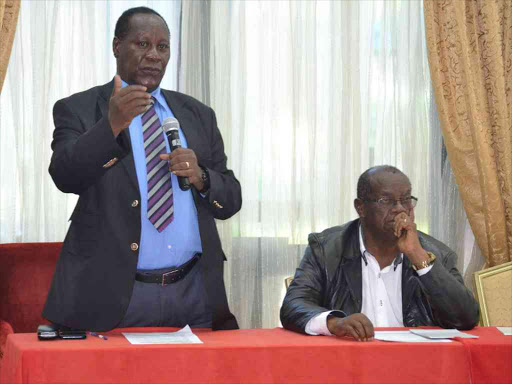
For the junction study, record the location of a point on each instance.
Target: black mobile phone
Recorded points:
(47, 332)
(69, 334)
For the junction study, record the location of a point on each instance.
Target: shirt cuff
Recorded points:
(318, 325)
(424, 271)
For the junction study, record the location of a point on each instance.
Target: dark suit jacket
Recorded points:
(94, 277)
(330, 278)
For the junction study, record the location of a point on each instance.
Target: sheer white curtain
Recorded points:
(61, 47)
(308, 95)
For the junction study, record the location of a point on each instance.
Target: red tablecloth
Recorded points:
(256, 356)
(490, 356)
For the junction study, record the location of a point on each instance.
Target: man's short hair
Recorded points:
(123, 23)
(364, 185)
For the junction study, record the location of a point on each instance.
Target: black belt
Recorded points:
(171, 276)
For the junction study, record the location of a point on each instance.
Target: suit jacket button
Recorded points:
(135, 203)
(110, 163)
(134, 246)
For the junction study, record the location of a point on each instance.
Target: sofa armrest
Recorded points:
(5, 330)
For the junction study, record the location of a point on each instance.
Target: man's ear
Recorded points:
(115, 46)
(359, 206)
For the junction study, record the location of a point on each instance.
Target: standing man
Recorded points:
(139, 250)
(377, 270)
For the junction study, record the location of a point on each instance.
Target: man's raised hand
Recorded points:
(126, 103)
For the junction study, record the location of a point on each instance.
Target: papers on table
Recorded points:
(406, 337)
(442, 333)
(183, 336)
(507, 331)
(422, 335)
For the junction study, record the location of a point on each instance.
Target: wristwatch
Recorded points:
(205, 176)
(425, 263)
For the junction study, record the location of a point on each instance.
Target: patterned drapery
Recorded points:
(469, 46)
(9, 10)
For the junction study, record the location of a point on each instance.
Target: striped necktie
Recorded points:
(160, 201)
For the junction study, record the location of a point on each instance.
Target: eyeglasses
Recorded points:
(407, 202)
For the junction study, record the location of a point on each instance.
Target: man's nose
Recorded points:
(398, 207)
(152, 54)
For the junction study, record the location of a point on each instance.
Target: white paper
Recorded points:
(405, 337)
(507, 331)
(442, 333)
(183, 336)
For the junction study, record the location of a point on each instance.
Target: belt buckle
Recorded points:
(168, 273)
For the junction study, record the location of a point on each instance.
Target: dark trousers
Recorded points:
(173, 305)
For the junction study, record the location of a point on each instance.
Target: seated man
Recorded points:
(377, 270)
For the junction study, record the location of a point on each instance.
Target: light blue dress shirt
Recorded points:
(180, 240)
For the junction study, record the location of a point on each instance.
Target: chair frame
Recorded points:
(479, 277)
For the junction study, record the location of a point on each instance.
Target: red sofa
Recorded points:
(26, 271)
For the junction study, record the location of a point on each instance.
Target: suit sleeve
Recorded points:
(225, 194)
(80, 152)
(453, 305)
(304, 297)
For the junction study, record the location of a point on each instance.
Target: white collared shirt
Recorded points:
(382, 289)
(382, 294)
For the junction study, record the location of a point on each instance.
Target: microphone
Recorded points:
(170, 127)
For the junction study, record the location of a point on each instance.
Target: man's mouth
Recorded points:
(150, 71)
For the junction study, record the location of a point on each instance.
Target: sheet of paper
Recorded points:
(507, 331)
(405, 337)
(442, 333)
(183, 336)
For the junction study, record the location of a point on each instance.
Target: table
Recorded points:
(256, 356)
(490, 356)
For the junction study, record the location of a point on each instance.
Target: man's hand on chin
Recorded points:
(408, 241)
(357, 326)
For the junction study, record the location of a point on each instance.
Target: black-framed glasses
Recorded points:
(386, 202)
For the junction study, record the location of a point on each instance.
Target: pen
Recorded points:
(98, 335)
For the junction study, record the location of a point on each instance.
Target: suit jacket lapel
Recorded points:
(353, 275)
(127, 161)
(188, 126)
(409, 283)
(351, 260)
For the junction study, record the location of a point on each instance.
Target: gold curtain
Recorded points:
(469, 49)
(9, 10)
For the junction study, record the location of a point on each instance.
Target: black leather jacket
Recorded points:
(330, 278)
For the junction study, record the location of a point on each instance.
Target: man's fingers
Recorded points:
(368, 328)
(181, 156)
(133, 91)
(119, 90)
(361, 326)
(352, 331)
(360, 331)
(117, 85)
(411, 215)
(398, 228)
(401, 222)
(134, 102)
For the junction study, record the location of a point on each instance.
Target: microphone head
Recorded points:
(170, 124)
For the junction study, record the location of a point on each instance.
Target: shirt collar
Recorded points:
(398, 260)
